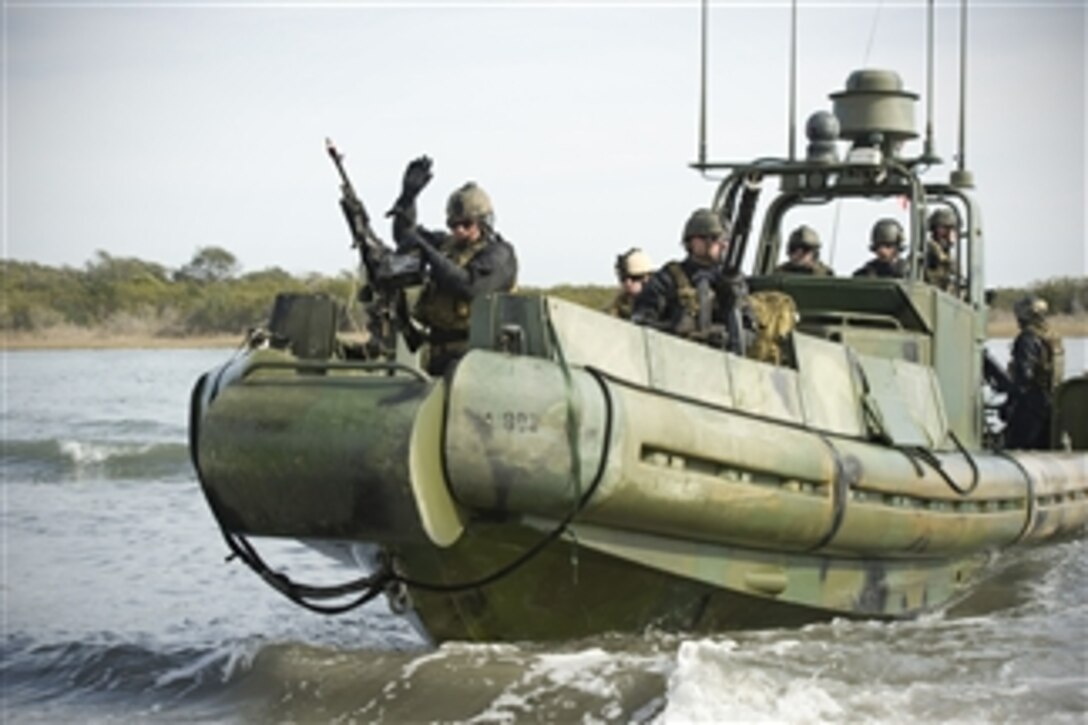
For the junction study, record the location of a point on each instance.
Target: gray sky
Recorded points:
(151, 129)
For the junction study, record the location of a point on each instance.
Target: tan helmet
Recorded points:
(803, 236)
(887, 231)
(1030, 309)
(704, 223)
(942, 217)
(633, 263)
(470, 202)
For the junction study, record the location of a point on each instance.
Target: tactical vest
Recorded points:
(686, 294)
(938, 271)
(445, 313)
(1050, 367)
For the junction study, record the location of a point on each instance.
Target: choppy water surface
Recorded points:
(118, 605)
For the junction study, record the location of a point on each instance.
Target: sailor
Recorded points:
(886, 244)
(693, 298)
(939, 270)
(468, 261)
(803, 250)
(633, 267)
(1035, 369)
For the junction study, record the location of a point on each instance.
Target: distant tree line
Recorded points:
(1064, 295)
(209, 296)
(205, 296)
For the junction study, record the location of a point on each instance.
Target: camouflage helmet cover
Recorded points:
(942, 217)
(470, 202)
(633, 263)
(1030, 309)
(887, 231)
(803, 236)
(704, 223)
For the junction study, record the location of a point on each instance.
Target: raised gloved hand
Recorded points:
(416, 176)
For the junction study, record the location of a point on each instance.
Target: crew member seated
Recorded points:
(633, 268)
(940, 266)
(694, 298)
(886, 244)
(803, 250)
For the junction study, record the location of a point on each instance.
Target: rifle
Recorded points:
(387, 273)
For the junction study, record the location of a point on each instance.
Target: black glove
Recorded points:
(416, 176)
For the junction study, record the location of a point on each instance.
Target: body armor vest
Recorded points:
(445, 313)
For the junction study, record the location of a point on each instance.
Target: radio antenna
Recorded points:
(793, 82)
(961, 177)
(928, 153)
(702, 89)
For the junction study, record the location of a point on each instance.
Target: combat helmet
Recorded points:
(633, 263)
(887, 231)
(1030, 309)
(470, 202)
(803, 236)
(942, 217)
(704, 223)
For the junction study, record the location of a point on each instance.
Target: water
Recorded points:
(118, 606)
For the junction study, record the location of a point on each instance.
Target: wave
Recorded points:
(111, 671)
(829, 673)
(69, 459)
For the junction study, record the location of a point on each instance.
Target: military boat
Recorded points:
(575, 474)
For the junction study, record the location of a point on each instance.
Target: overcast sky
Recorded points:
(151, 129)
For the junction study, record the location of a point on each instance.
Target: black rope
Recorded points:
(240, 547)
(371, 586)
(840, 490)
(1032, 503)
(554, 533)
(917, 453)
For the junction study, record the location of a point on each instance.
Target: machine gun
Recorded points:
(387, 272)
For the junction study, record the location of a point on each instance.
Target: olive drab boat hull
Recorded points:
(574, 473)
(720, 493)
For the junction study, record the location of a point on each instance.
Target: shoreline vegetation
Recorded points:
(1002, 324)
(125, 302)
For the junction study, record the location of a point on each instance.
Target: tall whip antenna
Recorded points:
(793, 81)
(702, 89)
(961, 176)
(928, 153)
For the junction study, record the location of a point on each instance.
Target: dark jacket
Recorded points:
(896, 269)
(458, 275)
(816, 268)
(670, 301)
(1033, 371)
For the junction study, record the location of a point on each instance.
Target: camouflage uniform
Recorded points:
(670, 300)
(805, 238)
(896, 269)
(816, 268)
(459, 272)
(940, 269)
(886, 232)
(1035, 369)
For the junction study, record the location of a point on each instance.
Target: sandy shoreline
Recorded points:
(1001, 325)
